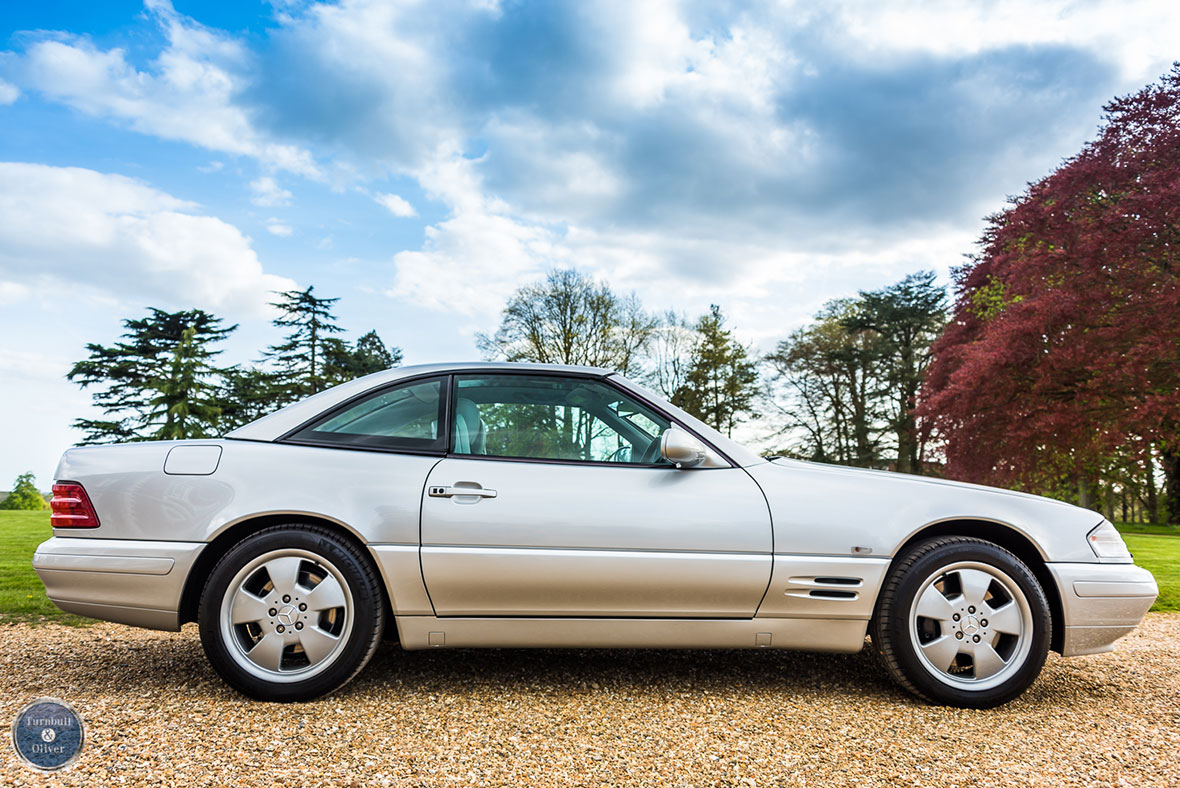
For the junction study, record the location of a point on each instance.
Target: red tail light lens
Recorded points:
(71, 507)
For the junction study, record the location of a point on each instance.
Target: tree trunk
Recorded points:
(1170, 460)
(906, 446)
(1083, 493)
(1153, 506)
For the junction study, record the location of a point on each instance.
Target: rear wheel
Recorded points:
(291, 613)
(962, 622)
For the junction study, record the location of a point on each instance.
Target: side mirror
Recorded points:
(681, 449)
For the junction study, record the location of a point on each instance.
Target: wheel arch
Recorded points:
(1011, 539)
(233, 533)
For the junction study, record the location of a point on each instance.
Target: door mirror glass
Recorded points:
(681, 449)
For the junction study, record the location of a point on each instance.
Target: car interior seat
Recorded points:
(471, 436)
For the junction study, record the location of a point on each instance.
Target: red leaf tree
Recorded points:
(1064, 346)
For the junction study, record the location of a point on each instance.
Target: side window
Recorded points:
(553, 418)
(402, 417)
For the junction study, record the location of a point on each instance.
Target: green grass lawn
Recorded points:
(1144, 528)
(22, 597)
(1159, 555)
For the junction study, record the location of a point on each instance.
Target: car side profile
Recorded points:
(526, 505)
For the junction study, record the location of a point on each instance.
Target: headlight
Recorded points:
(1108, 545)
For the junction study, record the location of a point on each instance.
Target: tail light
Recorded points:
(71, 507)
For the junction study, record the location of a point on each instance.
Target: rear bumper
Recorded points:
(1101, 602)
(123, 580)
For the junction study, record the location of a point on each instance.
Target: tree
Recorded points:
(1062, 350)
(300, 358)
(907, 318)
(368, 355)
(159, 383)
(185, 401)
(669, 353)
(721, 382)
(245, 394)
(826, 381)
(568, 319)
(24, 495)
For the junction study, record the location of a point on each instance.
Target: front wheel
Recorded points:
(291, 613)
(962, 622)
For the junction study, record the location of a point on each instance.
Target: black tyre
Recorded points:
(962, 622)
(291, 613)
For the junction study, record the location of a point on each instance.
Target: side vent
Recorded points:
(824, 593)
(833, 588)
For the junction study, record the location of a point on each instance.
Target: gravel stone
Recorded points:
(157, 715)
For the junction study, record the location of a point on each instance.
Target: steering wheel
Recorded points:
(621, 454)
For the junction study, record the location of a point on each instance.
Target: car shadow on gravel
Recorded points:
(632, 671)
(177, 665)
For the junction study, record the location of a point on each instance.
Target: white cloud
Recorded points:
(268, 193)
(277, 227)
(689, 152)
(121, 238)
(1140, 37)
(190, 93)
(8, 92)
(396, 205)
(12, 292)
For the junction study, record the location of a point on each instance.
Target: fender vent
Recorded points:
(826, 593)
(824, 587)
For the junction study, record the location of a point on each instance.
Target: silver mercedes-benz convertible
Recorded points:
(514, 505)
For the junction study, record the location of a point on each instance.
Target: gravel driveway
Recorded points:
(157, 715)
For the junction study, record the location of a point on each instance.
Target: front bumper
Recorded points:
(1101, 602)
(128, 581)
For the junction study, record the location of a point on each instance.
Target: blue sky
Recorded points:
(421, 160)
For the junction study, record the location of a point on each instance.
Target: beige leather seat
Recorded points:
(470, 433)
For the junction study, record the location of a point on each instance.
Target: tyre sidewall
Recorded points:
(906, 649)
(367, 613)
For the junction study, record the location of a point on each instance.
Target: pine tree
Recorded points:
(245, 394)
(722, 381)
(371, 355)
(157, 384)
(368, 355)
(906, 317)
(301, 358)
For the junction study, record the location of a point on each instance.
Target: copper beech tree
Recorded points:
(1064, 345)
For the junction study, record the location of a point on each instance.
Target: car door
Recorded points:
(553, 501)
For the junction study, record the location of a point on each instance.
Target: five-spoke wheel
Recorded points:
(286, 614)
(291, 613)
(962, 621)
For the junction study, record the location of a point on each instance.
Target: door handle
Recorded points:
(451, 492)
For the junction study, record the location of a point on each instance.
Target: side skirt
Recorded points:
(816, 634)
